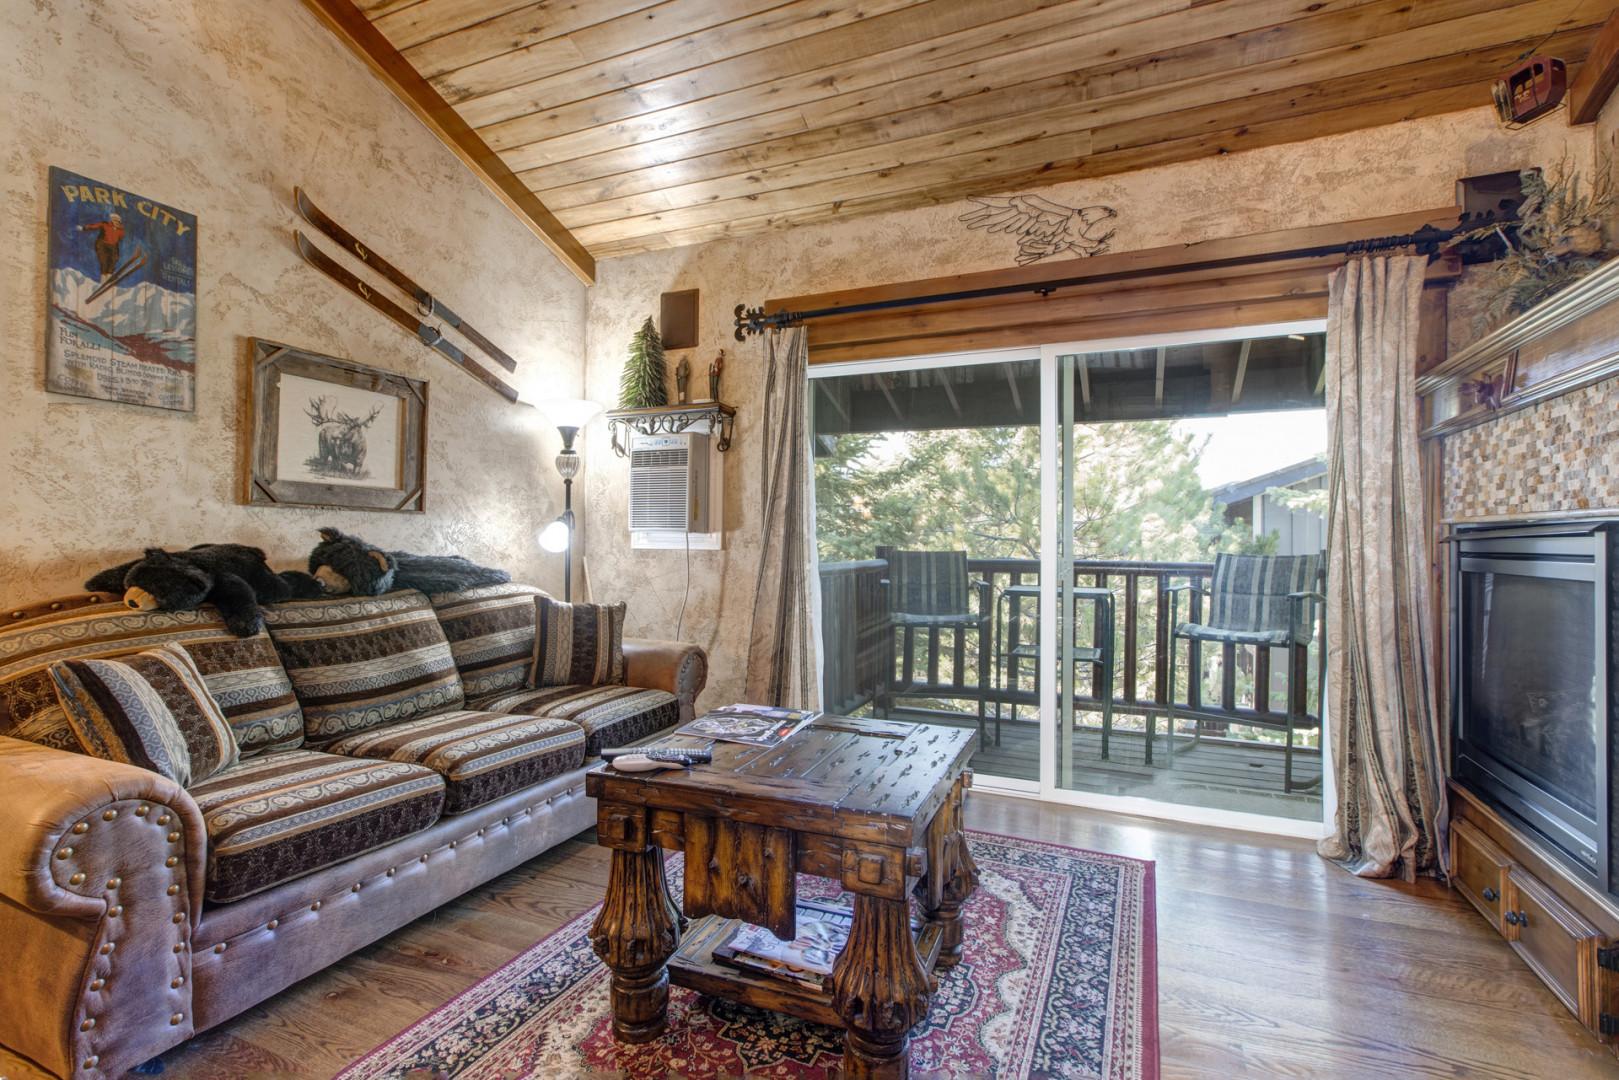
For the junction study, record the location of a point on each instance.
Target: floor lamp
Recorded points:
(569, 415)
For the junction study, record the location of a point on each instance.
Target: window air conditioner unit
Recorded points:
(673, 501)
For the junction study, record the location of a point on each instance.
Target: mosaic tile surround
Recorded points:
(1560, 454)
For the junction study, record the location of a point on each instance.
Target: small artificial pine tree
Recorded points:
(644, 382)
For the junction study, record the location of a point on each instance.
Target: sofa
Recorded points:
(391, 759)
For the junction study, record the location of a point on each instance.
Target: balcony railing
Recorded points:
(866, 658)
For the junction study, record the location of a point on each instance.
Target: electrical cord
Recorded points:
(680, 622)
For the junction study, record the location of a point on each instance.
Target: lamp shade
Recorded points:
(570, 412)
(555, 536)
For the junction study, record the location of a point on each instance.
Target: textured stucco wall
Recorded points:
(220, 108)
(1403, 167)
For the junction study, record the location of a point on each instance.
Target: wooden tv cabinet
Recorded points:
(1566, 931)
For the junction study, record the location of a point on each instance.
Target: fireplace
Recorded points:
(1533, 684)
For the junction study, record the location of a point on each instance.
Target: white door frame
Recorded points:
(1050, 500)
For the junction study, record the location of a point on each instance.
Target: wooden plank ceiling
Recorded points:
(649, 125)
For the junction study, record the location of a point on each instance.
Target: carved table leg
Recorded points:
(956, 876)
(880, 989)
(635, 934)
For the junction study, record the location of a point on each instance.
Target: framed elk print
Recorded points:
(333, 433)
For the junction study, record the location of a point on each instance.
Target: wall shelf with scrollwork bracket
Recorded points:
(672, 420)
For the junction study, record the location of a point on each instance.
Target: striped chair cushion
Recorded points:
(481, 755)
(358, 662)
(280, 816)
(150, 709)
(491, 635)
(577, 644)
(1248, 598)
(927, 583)
(611, 715)
(243, 674)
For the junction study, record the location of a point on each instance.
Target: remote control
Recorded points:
(633, 760)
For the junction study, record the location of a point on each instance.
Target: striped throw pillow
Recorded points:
(150, 709)
(359, 662)
(577, 644)
(491, 635)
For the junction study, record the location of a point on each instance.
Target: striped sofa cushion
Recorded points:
(482, 756)
(243, 674)
(611, 715)
(491, 634)
(149, 709)
(577, 644)
(358, 662)
(283, 815)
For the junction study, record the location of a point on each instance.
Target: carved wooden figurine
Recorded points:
(714, 371)
(683, 382)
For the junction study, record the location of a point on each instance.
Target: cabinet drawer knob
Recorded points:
(1517, 918)
(1490, 895)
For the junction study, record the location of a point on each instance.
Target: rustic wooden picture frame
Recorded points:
(269, 360)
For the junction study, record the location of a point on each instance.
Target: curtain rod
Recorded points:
(1425, 240)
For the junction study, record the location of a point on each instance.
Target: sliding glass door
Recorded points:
(1165, 458)
(927, 494)
(1020, 542)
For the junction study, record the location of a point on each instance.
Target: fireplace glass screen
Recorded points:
(1530, 683)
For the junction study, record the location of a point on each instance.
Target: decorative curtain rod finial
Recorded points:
(754, 321)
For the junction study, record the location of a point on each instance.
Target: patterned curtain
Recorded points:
(781, 666)
(1391, 815)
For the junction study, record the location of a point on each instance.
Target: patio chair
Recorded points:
(1264, 601)
(930, 591)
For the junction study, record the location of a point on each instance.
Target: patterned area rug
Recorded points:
(1059, 980)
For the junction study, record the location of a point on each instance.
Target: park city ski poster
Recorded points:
(123, 317)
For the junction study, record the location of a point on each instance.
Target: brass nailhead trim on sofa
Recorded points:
(82, 827)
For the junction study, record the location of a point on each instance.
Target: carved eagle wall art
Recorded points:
(1043, 228)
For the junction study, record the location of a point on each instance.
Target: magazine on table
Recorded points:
(754, 725)
(823, 930)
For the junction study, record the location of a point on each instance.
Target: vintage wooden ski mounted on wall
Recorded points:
(427, 304)
(427, 335)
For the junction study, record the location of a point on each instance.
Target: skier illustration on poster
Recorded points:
(109, 238)
(123, 323)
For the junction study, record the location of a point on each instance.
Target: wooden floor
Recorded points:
(1272, 963)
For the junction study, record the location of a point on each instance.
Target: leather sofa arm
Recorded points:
(676, 666)
(101, 881)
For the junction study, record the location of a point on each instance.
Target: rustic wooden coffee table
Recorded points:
(873, 804)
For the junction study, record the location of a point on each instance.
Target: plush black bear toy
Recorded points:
(234, 578)
(348, 564)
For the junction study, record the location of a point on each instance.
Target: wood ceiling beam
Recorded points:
(353, 29)
(1598, 78)
(1288, 129)
(1043, 161)
(532, 40)
(971, 41)
(653, 61)
(1126, 120)
(1242, 370)
(1005, 106)
(410, 23)
(1111, 60)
